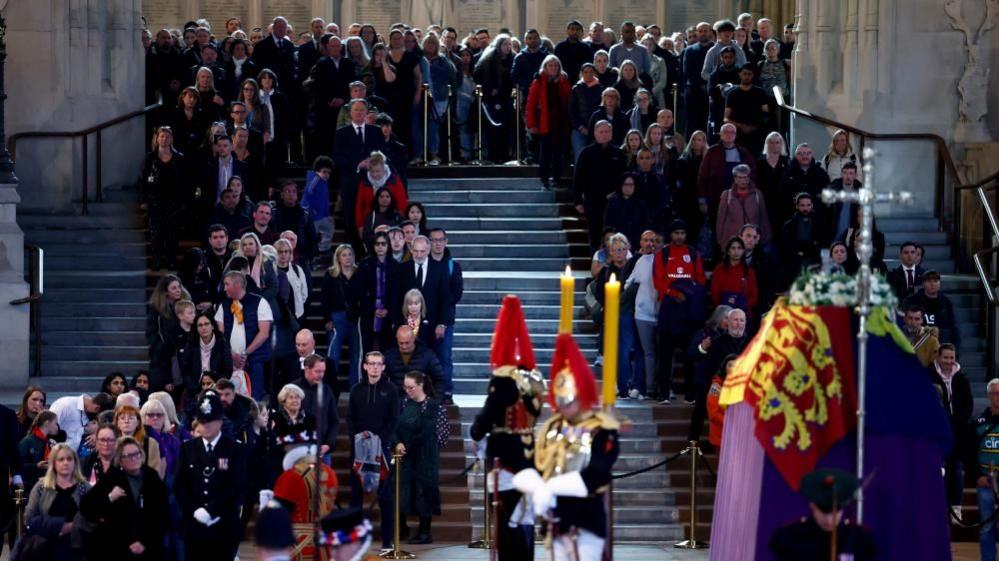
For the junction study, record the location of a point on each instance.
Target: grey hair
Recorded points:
(717, 316)
(992, 382)
(290, 389)
(742, 169)
(619, 238)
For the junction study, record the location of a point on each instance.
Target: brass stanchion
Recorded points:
(19, 505)
(486, 542)
(426, 121)
(450, 151)
(478, 139)
(676, 92)
(395, 552)
(691, 542)
(516, 118)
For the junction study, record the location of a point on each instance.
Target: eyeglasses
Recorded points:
(132, 456)
(106, 440)
(382, 244)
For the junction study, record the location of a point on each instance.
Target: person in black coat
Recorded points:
(938, 310)
(128, 506)
(164, 66)
(313, 370)
(213, 182)
(804, 175)
(277, 53)
(409, 355)
(906, 279)
(434, 284)
(329, 85)
(958, 402)
(801, 239)
(381, 295)
(627, 213)
(210, 485)
(208, 340)
(394, 150)
(598, 170)
(352, 147)
(610, 110)
(9, 431)
(166, 180)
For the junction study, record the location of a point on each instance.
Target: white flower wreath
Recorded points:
(837, 289)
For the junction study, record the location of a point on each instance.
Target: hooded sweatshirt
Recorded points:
(374, 408)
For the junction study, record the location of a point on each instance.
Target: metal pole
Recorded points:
(450, 152)
(426, 106)
(478, 140)
(675, 106)
(519, 132)
(19, 506)
(86, 172)
(486, 541)
(691, 542)
(99, 196)
(395, 552)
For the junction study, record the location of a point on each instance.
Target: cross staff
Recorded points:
(866, 197)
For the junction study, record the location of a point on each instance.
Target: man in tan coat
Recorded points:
(924, 339)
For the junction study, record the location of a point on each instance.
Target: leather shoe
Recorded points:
(420, 539)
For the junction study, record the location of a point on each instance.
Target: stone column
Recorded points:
(14, 320)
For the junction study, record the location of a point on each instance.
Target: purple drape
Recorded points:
(737, 495)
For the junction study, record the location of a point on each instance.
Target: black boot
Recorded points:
(423, 534)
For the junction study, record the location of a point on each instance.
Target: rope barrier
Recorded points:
(645, 469)
(461, 475)
(978, 524)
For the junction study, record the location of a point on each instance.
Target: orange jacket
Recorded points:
(537, 115)
(716, 414)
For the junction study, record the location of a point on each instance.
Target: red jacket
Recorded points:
(673, 263)
(366, 198)
(712, 178)
(537, 115)
(740, 279)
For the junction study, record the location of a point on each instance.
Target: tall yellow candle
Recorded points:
(612, 314)
(565, 310)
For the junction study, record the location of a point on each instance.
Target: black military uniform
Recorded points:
(210, 485)
(829, 490)
(513, 404)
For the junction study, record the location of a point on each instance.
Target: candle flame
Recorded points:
(613, 278)
(568, 271)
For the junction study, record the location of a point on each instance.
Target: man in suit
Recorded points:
(329, 83)
(310, 52)
(210, 485)
(218, 172)
(352, 147)
(433, 280)
(277, 52)
(908, 276)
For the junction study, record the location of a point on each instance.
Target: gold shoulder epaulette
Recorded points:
(606, 421)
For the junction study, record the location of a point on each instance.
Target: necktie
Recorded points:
(419, 275)
(210, 448)
(360, 133)
(910, 279)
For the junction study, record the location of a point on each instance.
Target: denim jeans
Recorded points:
(255, 370)
(579, 141)
(647, 339)
(346, 332)
(630, 372)
(987, 533)
(444, 349)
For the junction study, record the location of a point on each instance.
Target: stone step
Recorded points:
(515, 281)
(71, 350)
(492, 197)
(942, 266)
(498, 210)
(96, 310)
(80, 375)
(78, 222)
(96, 279)
(120, 295)
(452, 222)
(531, 311)
(484, 340)
(114, 338)
(540, 326)
(939, 252)
(914, 224)
(85, 237)
(526, 297)
(525, 238)
(86, 251)
(894, 239)
(506, 252)
(525, 263)
(103, 262)
(103, 324)
(432, 186)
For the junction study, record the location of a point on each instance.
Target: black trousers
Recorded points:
(696, 110)
(517, 543)
(386, 502)
(700, 412)
(551, 159)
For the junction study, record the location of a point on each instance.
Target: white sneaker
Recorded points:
(633, 394)
(664, 402)
(599, 361)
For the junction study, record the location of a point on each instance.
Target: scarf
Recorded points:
(206, 348)
(255, 271)
(237, 311)
(296, 278)
(37, 433)
(265, 99)
(376, 185)
(239, 67)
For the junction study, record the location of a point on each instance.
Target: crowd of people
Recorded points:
(704, 229)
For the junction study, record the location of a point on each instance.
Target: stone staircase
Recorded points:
(94, 306)
(965, 291)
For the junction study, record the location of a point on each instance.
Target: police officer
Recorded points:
(210, 485)
(272, 533)
(828, 491)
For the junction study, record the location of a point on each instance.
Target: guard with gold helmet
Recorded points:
(506, 421)
(575, 451)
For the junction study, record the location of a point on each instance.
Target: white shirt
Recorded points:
(213, 442)
(72, 418)
(237, 339)
(225, 174)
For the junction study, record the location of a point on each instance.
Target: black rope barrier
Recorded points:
(458, 477)
(957, 520)
(650, 468)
